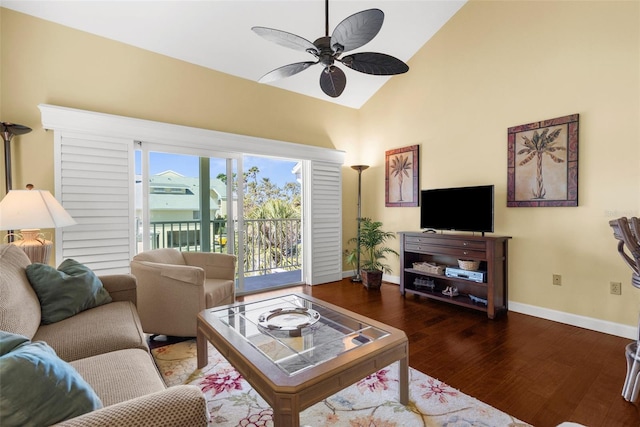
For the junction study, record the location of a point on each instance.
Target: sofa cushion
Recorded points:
(19, 305)
(219, 292)
(66, 291)
(38, 388)
(120, 375)
(109, 327)
(182, 405)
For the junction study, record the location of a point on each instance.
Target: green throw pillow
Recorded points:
(9, 341)
(70, 289)
(38, 388)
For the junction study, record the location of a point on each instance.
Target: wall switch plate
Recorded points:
(557, 280)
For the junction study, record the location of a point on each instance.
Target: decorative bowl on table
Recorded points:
(291, 320)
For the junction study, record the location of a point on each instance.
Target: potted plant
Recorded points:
(372, 251)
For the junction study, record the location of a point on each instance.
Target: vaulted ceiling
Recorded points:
(217, 33)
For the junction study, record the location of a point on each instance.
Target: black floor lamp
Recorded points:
(8, 131)
(359, 168)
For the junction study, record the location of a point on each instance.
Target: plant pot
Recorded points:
(371, 279)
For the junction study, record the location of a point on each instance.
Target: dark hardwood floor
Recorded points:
(542, 372)
(539, 371)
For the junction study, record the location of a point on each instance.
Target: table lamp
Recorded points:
(29, 211)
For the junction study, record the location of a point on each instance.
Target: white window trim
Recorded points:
(70, 119)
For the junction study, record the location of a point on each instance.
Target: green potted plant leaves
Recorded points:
(372, 251)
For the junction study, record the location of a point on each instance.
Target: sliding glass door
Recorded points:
(272, 223)
(194, 203)
(184, 202)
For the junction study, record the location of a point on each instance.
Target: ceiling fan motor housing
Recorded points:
(326, 55)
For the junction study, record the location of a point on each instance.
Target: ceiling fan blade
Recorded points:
(286, 39)
(357, 30)
(286, 71)
(333, 81)
(379, 64)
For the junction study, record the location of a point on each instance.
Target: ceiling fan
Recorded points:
(353, 32)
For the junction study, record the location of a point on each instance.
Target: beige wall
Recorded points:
(494, 65)
(501, 64)
(48, 63)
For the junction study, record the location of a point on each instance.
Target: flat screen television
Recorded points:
(459, 208)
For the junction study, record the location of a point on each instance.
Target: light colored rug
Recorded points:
(371, 402)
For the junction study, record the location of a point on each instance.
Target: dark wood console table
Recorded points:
(445, 250)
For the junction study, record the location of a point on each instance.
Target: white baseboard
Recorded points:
(385, 277)
(598, 325)
(348, 273)
(591, 323)
(391, 279)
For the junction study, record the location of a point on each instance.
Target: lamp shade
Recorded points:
(27, 209)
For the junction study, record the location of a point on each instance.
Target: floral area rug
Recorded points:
(371, 402)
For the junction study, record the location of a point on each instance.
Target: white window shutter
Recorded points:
(94, 183)
(324, 212)
(94, 178)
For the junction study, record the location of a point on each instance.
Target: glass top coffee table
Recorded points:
(296, 350)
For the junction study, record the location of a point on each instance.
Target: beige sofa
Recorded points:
(106, 346)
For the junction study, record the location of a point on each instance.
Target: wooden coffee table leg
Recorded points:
(286, 412)
(201, 347)
(404, 380)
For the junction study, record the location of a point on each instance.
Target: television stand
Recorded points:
(443, 250)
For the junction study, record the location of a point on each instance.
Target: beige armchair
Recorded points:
(174, 286)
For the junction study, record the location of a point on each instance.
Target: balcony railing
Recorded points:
(270, 245)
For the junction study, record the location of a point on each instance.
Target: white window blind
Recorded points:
(94, 182)
(324, 226)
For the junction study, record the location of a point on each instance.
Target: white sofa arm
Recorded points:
(183, 405)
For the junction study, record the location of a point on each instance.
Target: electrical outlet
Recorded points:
(615, 288)
(557, 280)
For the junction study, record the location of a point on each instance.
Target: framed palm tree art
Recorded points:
(401, 177)
(542, 168)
